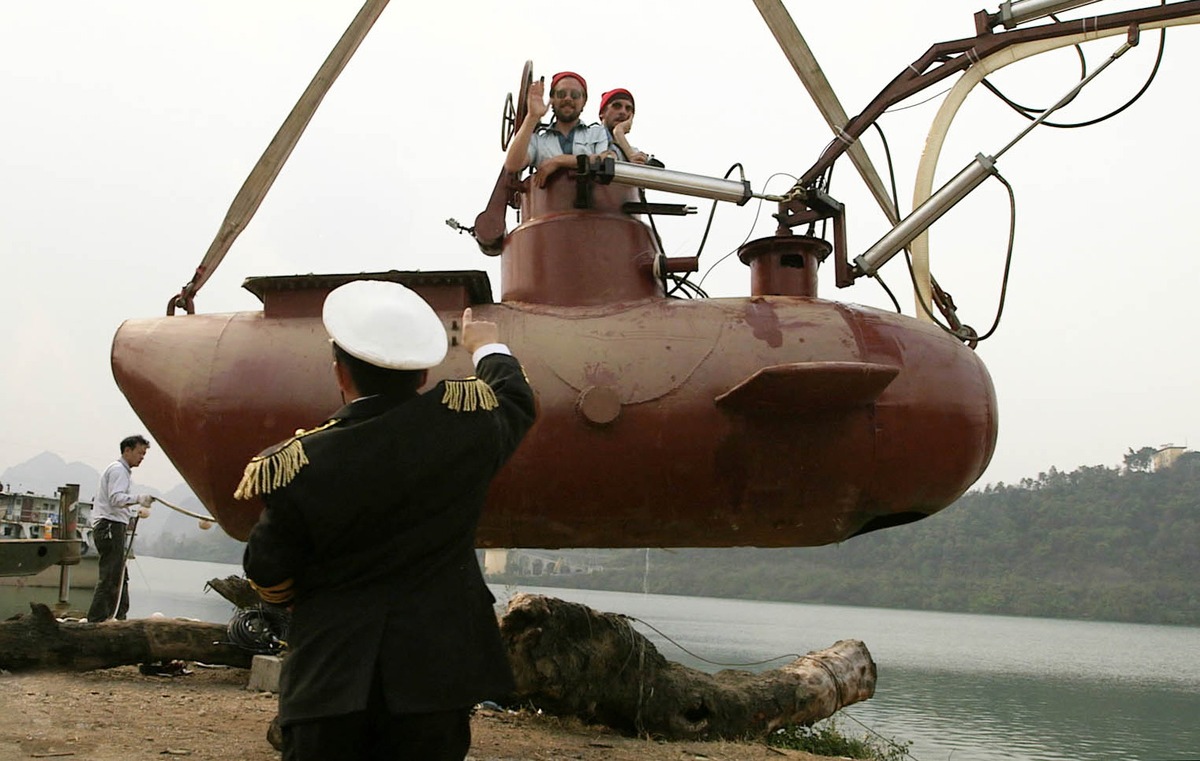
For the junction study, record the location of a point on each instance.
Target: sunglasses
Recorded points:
(573, 94)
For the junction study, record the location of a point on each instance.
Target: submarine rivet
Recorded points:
(599, 405)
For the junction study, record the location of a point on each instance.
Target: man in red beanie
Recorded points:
(616, 114)
(554, 147)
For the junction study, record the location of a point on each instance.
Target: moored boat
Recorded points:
(33, 552)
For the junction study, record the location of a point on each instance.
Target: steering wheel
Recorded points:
(514, 114)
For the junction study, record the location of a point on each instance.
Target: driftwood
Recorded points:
(571, 660)
(237, 590)
(568, 660)
(39, 640)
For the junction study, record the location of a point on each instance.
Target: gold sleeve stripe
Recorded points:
(279, 593)
(469, 394)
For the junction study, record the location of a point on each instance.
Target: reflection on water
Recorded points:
(170, 587)
(1021, 716)
(959, 687)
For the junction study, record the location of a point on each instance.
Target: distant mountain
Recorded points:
(43, 475)
(46, 472)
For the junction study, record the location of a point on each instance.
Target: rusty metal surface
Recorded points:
(770, 420)
(671, 468)
(784, 265)
(27, 557)
(566, 256)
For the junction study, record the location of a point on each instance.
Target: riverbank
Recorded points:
(120, 715)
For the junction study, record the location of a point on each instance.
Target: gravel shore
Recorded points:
(120, 715)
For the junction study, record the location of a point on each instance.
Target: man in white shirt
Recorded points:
(113, 507)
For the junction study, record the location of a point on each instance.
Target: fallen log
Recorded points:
(40, 641)
(570, 660)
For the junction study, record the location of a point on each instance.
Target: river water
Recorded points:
(959, 687)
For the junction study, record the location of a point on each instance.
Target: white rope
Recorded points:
(202, 518)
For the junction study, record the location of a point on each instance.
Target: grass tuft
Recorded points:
(826, 739)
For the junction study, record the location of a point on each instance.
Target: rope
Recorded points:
(839, 693)
(701, 658)
(901, 749)
(263, 175)
(840, 710)
(638, 724)
(188, 513)
(123, 577)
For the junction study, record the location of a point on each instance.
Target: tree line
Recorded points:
(1114, 544)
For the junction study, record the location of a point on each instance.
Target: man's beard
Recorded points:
(573, 117)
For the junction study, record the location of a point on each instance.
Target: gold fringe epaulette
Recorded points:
(275, 467)
(469, 394)
(277, 594)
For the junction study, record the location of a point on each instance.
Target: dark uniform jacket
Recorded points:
(374, 536)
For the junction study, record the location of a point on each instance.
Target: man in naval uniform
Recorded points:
(369, 534)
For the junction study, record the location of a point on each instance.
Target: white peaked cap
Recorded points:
(385, 324)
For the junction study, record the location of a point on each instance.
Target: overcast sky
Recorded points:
(127, 128)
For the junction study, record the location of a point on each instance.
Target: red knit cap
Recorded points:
(564, 75)
(611, 95)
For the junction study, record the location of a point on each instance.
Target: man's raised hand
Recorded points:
(476, 333)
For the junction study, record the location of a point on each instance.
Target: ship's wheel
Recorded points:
(514, 114)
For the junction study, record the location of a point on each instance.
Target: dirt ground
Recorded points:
(120, 715)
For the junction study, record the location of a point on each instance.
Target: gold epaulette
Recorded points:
(469, 394)
(276, 466)
(275, 595)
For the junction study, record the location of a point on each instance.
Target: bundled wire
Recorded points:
(262, 629)
(966, 333)
(757, 212)
(1029, 113)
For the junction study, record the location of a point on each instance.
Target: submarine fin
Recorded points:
(806, 388)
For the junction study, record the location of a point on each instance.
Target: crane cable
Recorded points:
(263, 175)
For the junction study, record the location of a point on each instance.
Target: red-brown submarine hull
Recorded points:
(763, 421)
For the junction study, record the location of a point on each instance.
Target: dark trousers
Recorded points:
(376, 734)
(112, 585)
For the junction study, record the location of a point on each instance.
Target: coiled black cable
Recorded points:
(262, 629)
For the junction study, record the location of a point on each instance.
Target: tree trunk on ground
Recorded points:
(39, 640)
(568, 660)
(571, 660)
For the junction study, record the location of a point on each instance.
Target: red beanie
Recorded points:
(611, 95)
(564, 75)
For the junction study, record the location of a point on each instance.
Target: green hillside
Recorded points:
(1095, 543)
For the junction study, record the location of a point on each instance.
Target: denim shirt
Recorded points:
(585, 139)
